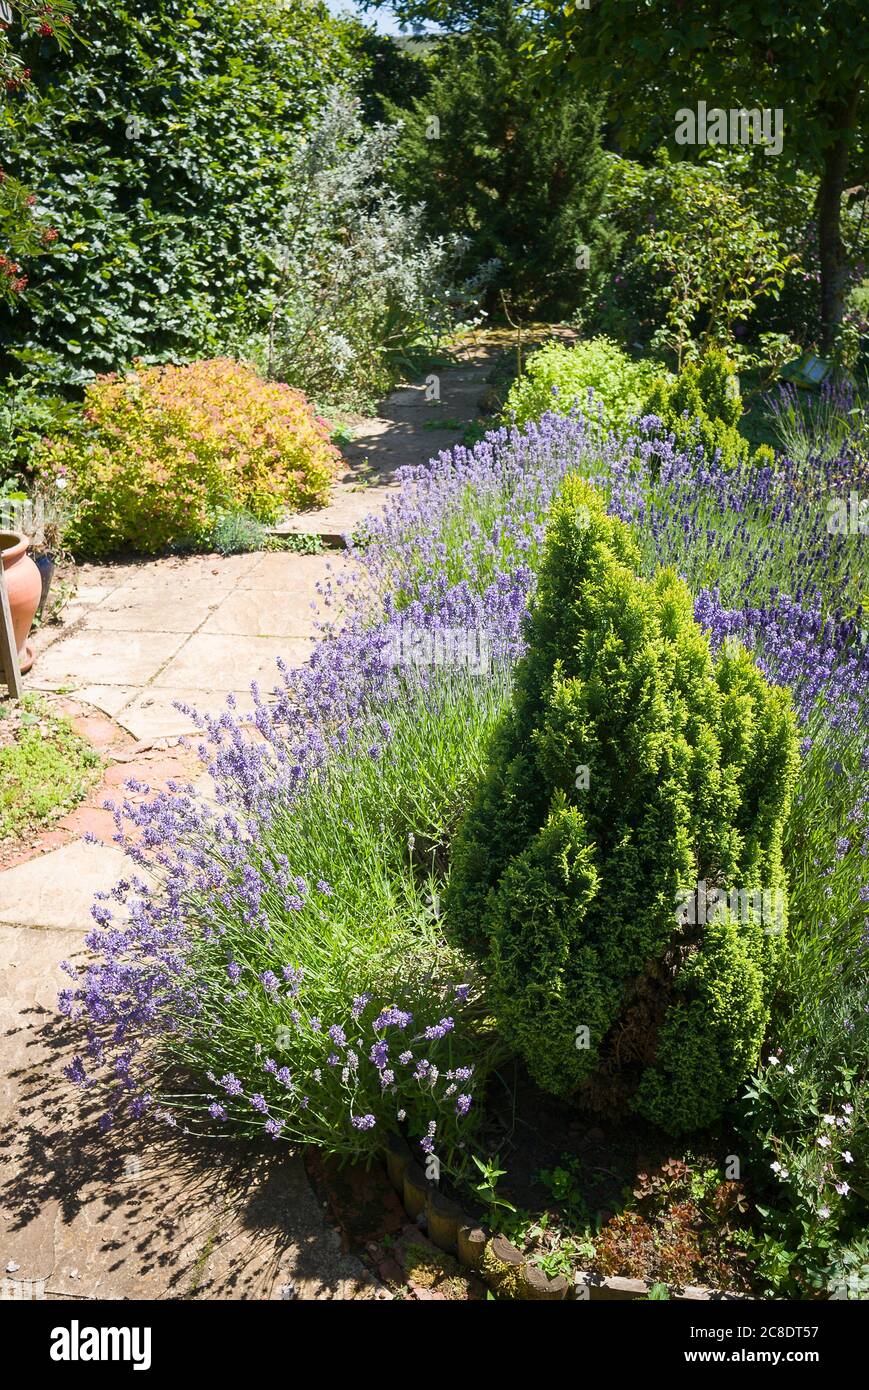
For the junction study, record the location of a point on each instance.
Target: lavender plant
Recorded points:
(281, 969)
(813, 427)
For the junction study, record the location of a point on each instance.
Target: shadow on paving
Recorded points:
(149, 1214)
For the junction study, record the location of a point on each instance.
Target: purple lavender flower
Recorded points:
(436, 1031)
(293, 977)
(392, 1017)
(379, 1055)
(359, 1005)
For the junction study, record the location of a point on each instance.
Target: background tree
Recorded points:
(808, 58)
(390, 74)
(521, 176)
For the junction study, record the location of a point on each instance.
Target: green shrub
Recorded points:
(696, 259)
(361, 288)
(165, 451)
(702, 407)
(570, 891)
(27, 417)
(559, 378)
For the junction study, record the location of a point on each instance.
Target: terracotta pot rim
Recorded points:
(13, 544)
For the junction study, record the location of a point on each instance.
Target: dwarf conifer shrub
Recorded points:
(702, 407)
(629, 768)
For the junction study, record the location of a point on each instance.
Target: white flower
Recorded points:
(61, 483)
(773, 1062)
(776, 1167)
(842, 1188)
(848, 1156)
(829, 1119)
(824, 1212)
(789, 1069)
(824, 1142)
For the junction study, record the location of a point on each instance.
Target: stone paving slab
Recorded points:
(108, 698)
(213, 662)
(341, 517)
(220, 571)
(104, 658)
(261, 613)
(284, 573)
(153, 714)
(147, 615)
(56, 890)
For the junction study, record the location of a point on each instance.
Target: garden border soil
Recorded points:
(495, 1260)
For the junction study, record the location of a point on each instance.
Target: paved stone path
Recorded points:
(142, 636)
(126, 1216)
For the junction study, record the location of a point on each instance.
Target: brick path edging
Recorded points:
(504, 1268)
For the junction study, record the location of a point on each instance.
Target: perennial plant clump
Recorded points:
(596, 376)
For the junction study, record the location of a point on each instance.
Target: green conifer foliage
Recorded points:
(567, 884)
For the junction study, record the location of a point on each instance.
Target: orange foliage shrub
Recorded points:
(164, 449)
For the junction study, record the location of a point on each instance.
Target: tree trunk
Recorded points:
(834, 269)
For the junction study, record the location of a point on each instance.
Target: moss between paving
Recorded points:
(45, 767)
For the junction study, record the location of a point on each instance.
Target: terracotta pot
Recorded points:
(24, 586)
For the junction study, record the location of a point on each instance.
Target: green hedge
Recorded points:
(157, 147)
